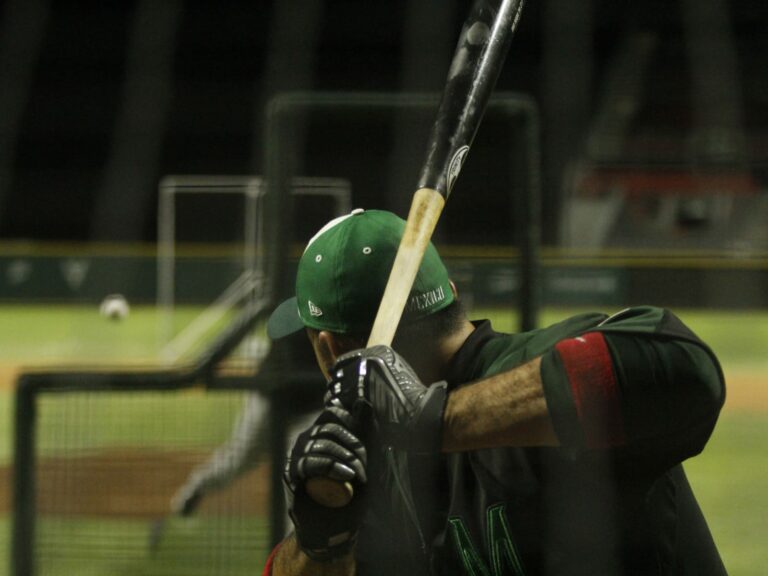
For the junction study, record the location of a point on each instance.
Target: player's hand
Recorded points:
(186, 500)
(327, 449)
(406, 414)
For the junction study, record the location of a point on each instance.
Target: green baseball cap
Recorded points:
(343, 272)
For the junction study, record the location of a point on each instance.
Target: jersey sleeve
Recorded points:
(640, 379)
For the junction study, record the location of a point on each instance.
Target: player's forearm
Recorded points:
(291, 561)
(508, 409)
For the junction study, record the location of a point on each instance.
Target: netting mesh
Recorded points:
(108, 464)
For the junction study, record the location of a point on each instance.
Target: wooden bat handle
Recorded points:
(425, 211)
(329, 493)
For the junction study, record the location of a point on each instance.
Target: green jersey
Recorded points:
(631, 396)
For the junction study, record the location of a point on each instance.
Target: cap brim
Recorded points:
(284, 320)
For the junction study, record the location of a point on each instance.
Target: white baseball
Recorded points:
(115, 307)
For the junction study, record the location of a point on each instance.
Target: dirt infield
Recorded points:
(746, 391)
(8, 374)
(133, 484)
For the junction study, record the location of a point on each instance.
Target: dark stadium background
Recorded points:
(99, 100)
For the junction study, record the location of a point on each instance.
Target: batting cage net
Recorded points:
(111, 503)
(167, 472)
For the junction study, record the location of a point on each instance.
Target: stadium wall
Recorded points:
(713, 281)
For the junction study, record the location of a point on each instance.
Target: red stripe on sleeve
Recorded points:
(268, 566)
(589, 368)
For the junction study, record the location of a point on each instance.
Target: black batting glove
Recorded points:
(327, 449)
(406, 414)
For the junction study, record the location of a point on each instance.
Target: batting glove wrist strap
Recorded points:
(325, 534)
(427, 425)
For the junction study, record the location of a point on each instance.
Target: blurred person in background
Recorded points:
(251, 439)
(248, 445)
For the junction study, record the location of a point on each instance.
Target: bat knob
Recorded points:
(329, 493)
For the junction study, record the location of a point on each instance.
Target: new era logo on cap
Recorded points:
(314, 310)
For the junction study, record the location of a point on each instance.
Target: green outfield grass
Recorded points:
(730, 477)
(184, 549)
(125, 420)
(34, 335)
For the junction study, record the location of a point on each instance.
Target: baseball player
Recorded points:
(245, 448)
(470, 452)
(250, 438)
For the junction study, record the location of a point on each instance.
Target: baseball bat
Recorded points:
(475, 67)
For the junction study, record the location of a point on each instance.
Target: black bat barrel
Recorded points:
(481, 50)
